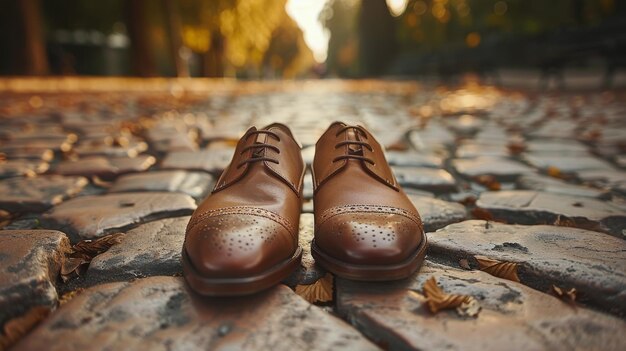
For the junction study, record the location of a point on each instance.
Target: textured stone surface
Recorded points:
(30, 261)
(513, 316)
(437, 213)
(501, 168)
(591, 262)
(556, 186)
(412, 159)
(212, 161)
(105, 168)
(308, 272)
(16, 168)
(108, 317)
(38, 194)
(430, 179)
(194, 184)
(568, 164)
(531, 207)
(150, 249)
(87, 217)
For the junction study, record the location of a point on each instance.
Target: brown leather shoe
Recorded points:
(366, 228)
(243, 238)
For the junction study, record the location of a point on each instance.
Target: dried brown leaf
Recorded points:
(563, 221)
(437, 300)
(464, 263)
(568, 296)
(65, 298)
(488, 181)
(398, 145)
(93, 248)
(5, 218)
(97, 181)
(480, 213)
(506, 270)
(555, 172)
(516, 148)
(78, 259)
(16, 328)
(320, 291)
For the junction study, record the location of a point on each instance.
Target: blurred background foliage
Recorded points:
(258, 39)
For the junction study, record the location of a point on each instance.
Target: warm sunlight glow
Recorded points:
(397, 7)
(306, 13)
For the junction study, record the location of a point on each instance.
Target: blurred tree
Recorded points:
(141, 42)
(288, 55)
(377, 37)
(22, 38)
(174, 29)
(340, 18)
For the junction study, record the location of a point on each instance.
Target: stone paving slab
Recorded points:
(567, 164)
(108, 317)
(413, 159)
(30, 262)
(88, 217)
(212, 161)
(39, 193)
(103, 167)
(531, 207)
(16, 168)
(429, 179)
(150, 249)
(194, 184)
(593, 263)
(308, 272)
(437, 213)
(552, 185)
(501, 168)
(513, 316)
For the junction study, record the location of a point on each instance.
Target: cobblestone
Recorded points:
(140, 161)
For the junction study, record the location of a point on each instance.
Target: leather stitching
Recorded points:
(335, 211)
(242, 210)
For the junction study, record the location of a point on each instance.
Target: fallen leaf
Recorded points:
(19, 326)
(437, 300)
(5, 218)
(554, 172)
(464, 263)
(480, 213)
(516, 148)
(488, 181)
(320, 291)
(399, 145)
(65, 298)
(3, 157)
(563, 221)
(81, 254)
(568, 296)
(93, 248)
(97, 181)
(506, 270)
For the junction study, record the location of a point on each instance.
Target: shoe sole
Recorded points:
(238, 286)
(389, 272)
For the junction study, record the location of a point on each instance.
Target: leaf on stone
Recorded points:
(500, 269)
(5, 218)
(97, 181)
(437, 300)
(563, 221)
(81, 254)
(516, 148)
(488, 181)
(480, 213)
(320, 291)
(554, 172)
(65, 298)
(568, 296)
(16, 328)
(398, 145)
(464, 263)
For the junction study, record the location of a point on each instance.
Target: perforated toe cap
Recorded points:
(236, 245)
(371, 236)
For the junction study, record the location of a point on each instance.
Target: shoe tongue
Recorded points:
(354, 149)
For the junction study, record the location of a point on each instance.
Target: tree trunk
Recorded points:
(34, 49)
(174, 30)
(213, 59)
(141, 46)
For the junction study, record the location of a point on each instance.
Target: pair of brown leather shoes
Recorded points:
(244, 237)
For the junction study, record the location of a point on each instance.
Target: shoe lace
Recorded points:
(258, 147)
(354, 155)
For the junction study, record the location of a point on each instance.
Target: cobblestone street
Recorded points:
(532, 183)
